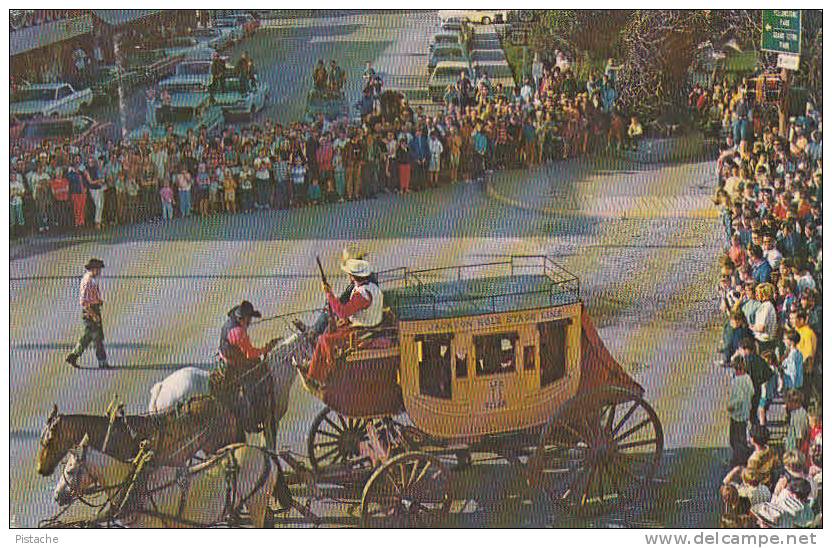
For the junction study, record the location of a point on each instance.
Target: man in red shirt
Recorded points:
(246, 381)
(363, 310)
(236, 349)
(59, 185)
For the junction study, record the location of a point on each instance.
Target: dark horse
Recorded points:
(200, 424)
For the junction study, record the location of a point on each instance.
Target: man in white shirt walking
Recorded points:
(91, 300)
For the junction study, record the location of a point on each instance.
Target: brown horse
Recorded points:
(200, 424)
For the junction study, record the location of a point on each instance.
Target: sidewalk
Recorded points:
(583, 187)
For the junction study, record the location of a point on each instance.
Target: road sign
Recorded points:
(781, 31)
(788, 61)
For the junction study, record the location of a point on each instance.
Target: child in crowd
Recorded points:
(298, 174)
(166, 195)
(229, 185)
(314, 192)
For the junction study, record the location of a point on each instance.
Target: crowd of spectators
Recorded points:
(392, 148)
(770, 199)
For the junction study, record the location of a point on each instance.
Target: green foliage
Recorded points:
(596, 33)
(657, 48)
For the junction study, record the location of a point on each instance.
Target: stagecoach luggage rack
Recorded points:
(518, 282)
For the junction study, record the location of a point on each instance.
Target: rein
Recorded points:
(232, 500)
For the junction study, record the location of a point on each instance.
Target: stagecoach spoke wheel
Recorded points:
(409, 490)
(600, 448)
(336, 440)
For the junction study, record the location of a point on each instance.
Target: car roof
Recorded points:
(188, 100)
(50, 120)
(184, 79)
(455, 64)
(44, 86)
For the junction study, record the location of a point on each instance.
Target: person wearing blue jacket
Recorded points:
(420, 154)
(480, 142)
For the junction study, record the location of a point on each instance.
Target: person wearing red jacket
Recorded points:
(363, 310)
(59, 185)
(246, 380)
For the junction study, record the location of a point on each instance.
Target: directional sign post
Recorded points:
(781, 31)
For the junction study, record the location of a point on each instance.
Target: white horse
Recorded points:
(177, 387)
(182, 384)
(167, 497)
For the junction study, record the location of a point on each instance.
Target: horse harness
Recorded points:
(249, 387)
(137, 493)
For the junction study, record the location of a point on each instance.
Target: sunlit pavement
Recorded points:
(640, 238)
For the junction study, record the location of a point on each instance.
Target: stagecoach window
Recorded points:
(528, 358)
(434, 353)
(461, 365)
(552, 351)
(496, 353)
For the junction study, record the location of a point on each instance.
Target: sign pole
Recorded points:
(525, 53)
(783, 107)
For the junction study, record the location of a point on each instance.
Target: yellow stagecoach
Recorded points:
(498, 358)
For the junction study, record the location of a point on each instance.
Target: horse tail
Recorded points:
(154, 395)
(280, 489)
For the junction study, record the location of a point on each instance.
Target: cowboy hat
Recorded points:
(94, 263)
(246, 310)
(351, 251)
(357, 268)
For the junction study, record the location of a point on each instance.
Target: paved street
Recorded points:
(645, 278)
(642, 239)
(284, 52)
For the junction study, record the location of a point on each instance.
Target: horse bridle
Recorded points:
(79, 494)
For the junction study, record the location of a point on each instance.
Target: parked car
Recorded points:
(452, 24)
(59, 99)
(446, 53)
(445, 39)
(483, 17)
(190, 76)
(230, 26)
(446, 72)
(179, 45)
(238, 101)
(488, 56)
(196, 68)
(151, 64)
(248, 22)
(212, 38)
(105, 79)
(498, 73)
(195, 83)
(184, 111)
(76, 130)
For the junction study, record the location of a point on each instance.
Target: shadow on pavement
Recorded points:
(495, 495)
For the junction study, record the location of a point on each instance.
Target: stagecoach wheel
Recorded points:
(600, 449)
(410, 490)
(335, 440)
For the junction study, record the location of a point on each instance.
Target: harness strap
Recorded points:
(183, 480)
(231, 468)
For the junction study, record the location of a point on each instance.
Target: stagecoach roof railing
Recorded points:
(563, 286)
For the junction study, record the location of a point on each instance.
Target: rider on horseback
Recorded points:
(246, 377)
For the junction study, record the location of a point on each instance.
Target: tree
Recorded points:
(596, 33)
(659, 47)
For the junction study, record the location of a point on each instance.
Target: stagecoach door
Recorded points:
(492, 374)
